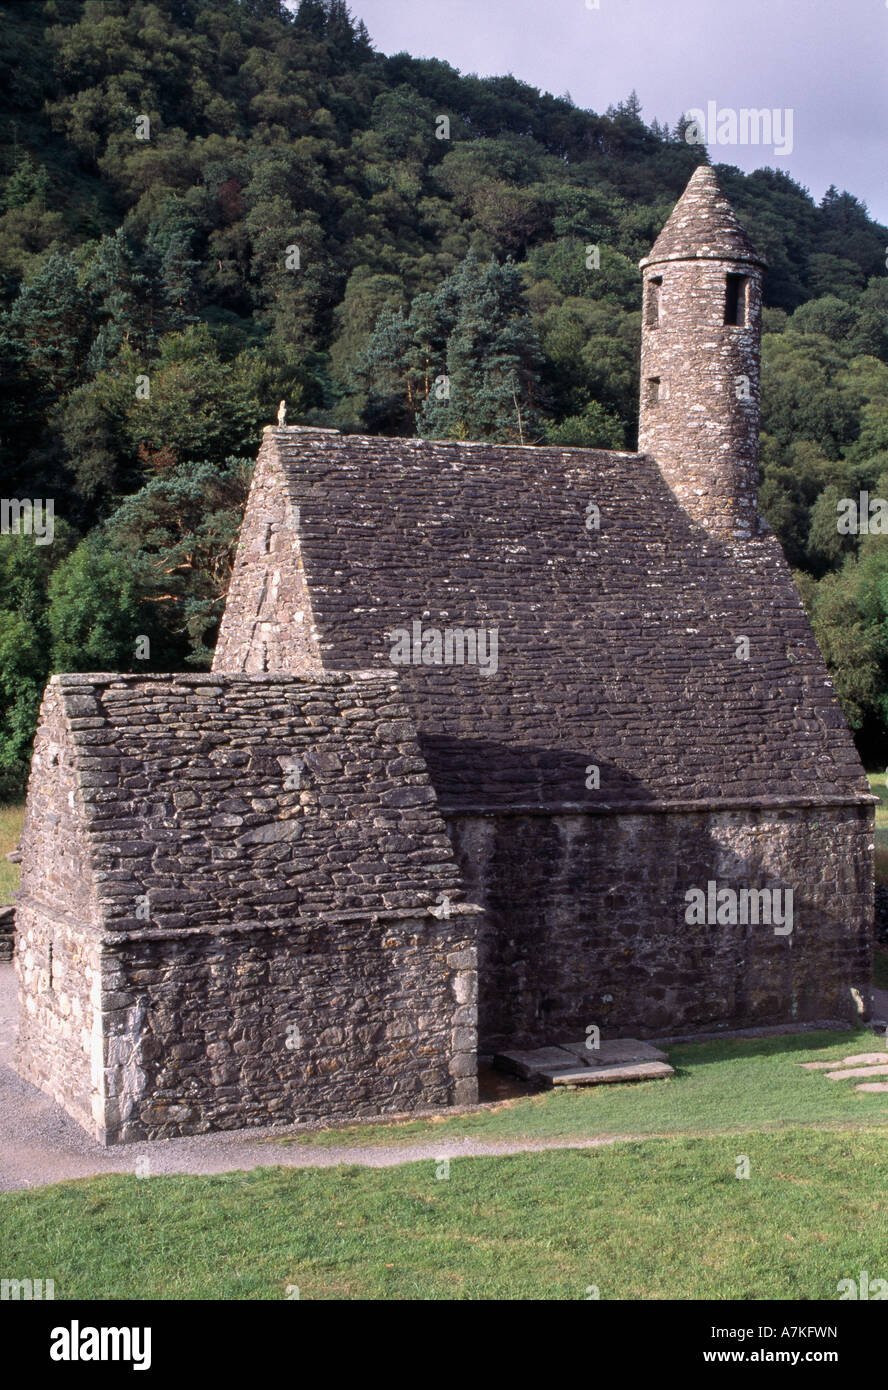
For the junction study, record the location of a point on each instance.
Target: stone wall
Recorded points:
(58, 944)
(329, 1020)
(585, 920)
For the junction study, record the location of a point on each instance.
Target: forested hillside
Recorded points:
(208, 205)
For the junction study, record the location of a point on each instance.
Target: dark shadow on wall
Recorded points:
(586, 914)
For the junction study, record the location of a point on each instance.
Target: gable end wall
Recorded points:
(268, 623)
(58, 945)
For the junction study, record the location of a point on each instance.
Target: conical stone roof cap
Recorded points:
(703, 226)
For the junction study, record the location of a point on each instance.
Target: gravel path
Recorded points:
(40, 1144)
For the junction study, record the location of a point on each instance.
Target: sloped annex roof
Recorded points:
(702, 225)
(242, 801)
(618, 648)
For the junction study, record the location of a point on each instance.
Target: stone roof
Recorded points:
(241, 801)
(702, 225)
(617, 647)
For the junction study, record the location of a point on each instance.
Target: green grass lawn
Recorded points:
(11, 818)
(661, 1219)
(720, 1086)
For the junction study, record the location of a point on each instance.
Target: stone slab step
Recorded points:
(600, 1076)
(858, 1060)
(615, 1053)
(848, 1072)
(528, 1064)
(544, 1063)
(873, 1086)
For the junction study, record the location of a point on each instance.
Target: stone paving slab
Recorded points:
(528, 1064)
(616, 1053)
(848, 1072)
(599, 1076)
(859, 1059)
(623, 1059)
(872, 1086)
(606, 1075)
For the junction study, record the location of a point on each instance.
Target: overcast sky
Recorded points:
(825, 60)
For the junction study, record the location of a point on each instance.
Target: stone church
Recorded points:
(500, 742)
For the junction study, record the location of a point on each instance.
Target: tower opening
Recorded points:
(652, 303)
(653, 390)
(735, 300)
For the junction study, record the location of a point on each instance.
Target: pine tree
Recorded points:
(464, 364)
(385, 374)
(123, 279)
(28, 180)
(51, 319)
(178, 277)
(493, 359)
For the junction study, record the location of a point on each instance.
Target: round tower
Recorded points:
(701, 358)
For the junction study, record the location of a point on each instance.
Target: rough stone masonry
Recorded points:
(238, 906)
(313, 884)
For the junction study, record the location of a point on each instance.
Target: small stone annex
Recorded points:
(224, 913)
(552, 712)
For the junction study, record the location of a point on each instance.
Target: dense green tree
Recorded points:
(93, 613)
(179, 534)
(830, 316)
(159, 162)
(849, 609)
(28, 180)
(24, 653)
(595, 428)
(491, 386)
(464, 364)
(51, 318)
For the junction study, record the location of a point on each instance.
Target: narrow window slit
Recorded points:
(652, 316)
(735, 301)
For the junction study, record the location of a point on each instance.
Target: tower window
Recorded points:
(653, 390)
(652, 305)
(735, 301)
